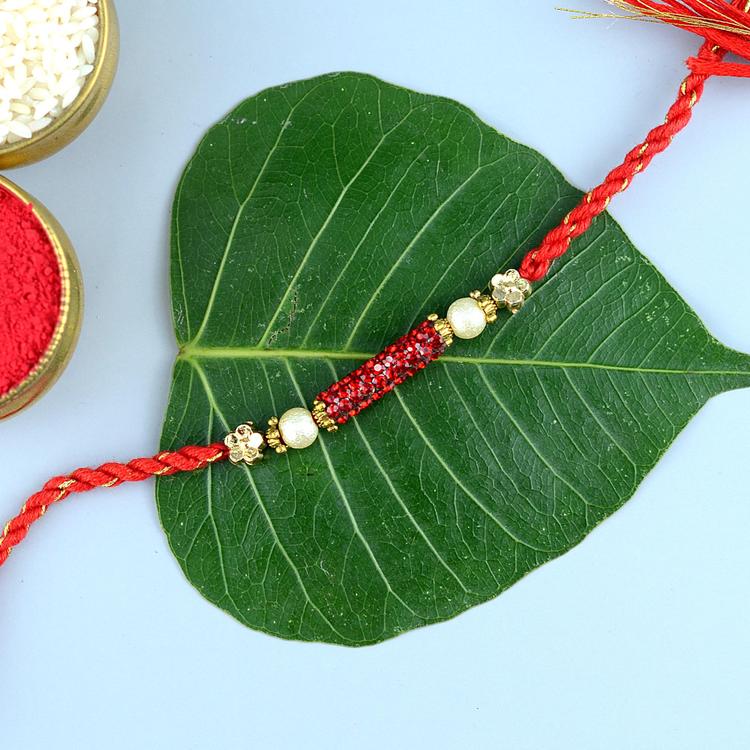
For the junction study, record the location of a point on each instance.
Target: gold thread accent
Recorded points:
(67, 484)
(321, 417)
(659, 16)
(273, 436)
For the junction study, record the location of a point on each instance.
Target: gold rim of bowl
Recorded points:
(78, 116)
(65, 337)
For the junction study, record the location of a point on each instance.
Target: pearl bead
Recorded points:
(298, 428)
(467, 318)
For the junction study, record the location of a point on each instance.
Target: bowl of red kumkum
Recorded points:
(41, 299)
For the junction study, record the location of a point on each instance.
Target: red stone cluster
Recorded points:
(380, 375)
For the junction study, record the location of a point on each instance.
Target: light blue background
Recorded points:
(636, 639)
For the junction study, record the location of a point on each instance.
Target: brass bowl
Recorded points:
(77, 117)
(65, 337)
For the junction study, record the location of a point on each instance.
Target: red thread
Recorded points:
(536, 264)
(708, 68)
(722, 25)
(30, 291)
(190, 458)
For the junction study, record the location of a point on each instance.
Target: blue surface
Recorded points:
(636, 639)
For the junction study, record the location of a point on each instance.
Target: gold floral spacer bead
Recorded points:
(321, 417)
(510, 290)
(245, 444)
(443, 327)
(488, 305)
(273, 436)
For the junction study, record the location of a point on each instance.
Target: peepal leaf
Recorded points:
(318, 222)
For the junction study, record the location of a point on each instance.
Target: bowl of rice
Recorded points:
(57, 62)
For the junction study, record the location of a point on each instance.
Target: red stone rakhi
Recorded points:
(466, 319)
(724, 27)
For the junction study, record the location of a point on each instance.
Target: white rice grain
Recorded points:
(47, 50)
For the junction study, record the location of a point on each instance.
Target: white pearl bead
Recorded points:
(467, 318)
(298, 428)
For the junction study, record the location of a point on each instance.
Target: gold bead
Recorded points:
(273, 436)
(245, 444)
(510, 290)
(443, 327)
(488, 305)
(321, 417)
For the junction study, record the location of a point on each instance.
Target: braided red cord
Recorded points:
(190, 458)
(536, 264)
(709, 62)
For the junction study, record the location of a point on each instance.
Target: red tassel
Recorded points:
(721, 23)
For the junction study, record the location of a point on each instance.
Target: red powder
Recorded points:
(30, 291)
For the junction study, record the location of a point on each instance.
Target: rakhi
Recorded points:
(725, 29)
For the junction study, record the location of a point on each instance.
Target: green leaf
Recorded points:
(321, 220)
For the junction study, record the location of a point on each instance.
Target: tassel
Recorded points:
(722, 24)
